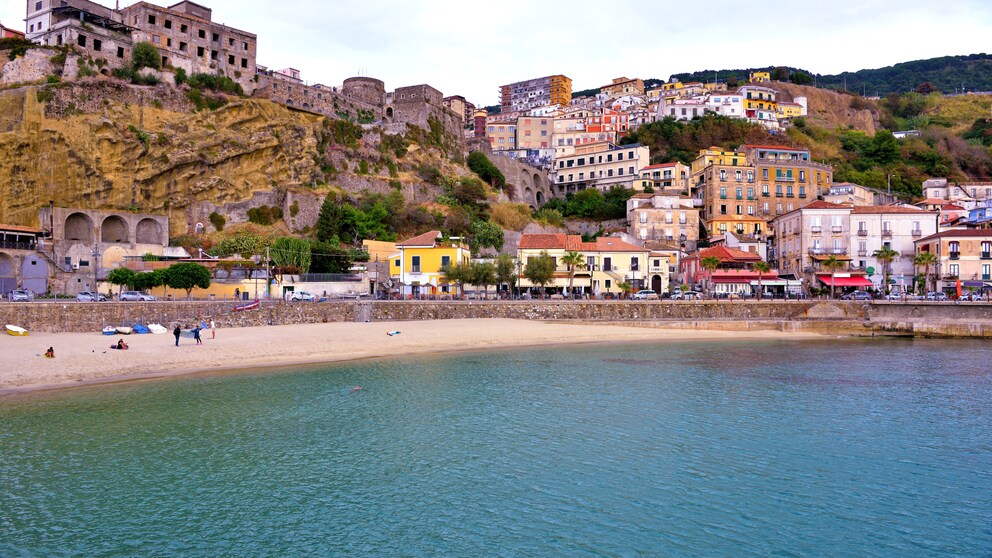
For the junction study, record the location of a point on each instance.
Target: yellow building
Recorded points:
(534, 132)
(760, 77)
(790, 110)
(760, 104)
(502, 133)
(623, 86)
(608, 263)
(416, 269)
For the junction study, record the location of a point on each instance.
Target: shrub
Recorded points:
(16, 46)
(429, 173)
(220, 84)
(264, 215)
(482, 166)
(53, 80)
(550, 217)
(511, 216)
(363, 167)
(201, 101)
(396, 185)
(218, 221)
(145, 55)
(294, 209)
(143, 136)
(180, 76)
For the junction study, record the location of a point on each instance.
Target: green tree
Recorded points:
(145, 55)
(926, 260)
(885, 257)
(506, 270)
(710, 264)
(574, 261)
(780, 73)
(625, 288)
(121, 276)
(540, 270)
(800, 78)
(290, 256)
(483, 275)
(149, 280)
(761, 268)
(482, 166)
(833, 265)
(187, 276)
(330, 218)
(331, 257)
(884, 148)
(486, 234)
(459, 274)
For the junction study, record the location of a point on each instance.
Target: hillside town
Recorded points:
(743, 221)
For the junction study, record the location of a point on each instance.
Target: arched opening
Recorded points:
(78, 226)
(148, 231)
(537, 180)
(525, 178)
(389, 112)
(656, 283)
(540, 197)
(113, 230)
(199, 228)
(8, 280)
(34, 274)
(113, 257)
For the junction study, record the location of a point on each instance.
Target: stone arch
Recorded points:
(539, 197)
(656, 283)
(114, 230)
(8, 275)
(537, 181)
(78, 226)
(389, 112)
(199, 228)
(529, 195)
(113, 257)
(306, 105)
(34, 274)
(148, 231)
(525, 180)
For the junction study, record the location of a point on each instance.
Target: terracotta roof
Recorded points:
(951, 207)
(725, 254)
(18, 228)
(961, 233)
(573, 242)
(931, 201)
(662, 165)
(426, 239)
(888, 209)
(820, 204)
(786, 147)
(643, 196)
(610, 244)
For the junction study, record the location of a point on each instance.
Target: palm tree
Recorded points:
(832, 264)
(925, 259)
(710, 264)
(574, 261)
(885, 256)
(624, 287)
(761, 268)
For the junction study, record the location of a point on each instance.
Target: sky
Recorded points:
(471, 48)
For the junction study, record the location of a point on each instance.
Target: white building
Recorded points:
(727, 104)
(894, 227)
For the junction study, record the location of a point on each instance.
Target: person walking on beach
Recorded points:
(213, 329)
(177, 332)
(196, 335)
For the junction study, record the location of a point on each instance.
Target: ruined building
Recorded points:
(184, 34)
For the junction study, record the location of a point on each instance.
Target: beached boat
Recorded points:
(124, 330)
(250, 306)
(15, 331)
(141, 330)
(110, 330)
(157, 329)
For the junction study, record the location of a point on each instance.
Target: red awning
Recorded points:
(852, 281)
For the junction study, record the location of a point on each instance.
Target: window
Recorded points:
(740, 210)
(37, 6)
(955, 270)
(120, 52)
(201, 33)
(802, 176)
(183, 28)
(151, 19)
(740, 193)
(445, 261)
(723, 174)
(168, 24)
(230, 41)
(244, 46)
(415, 264)
(200, 51)
(764, 174)
(244, 62)
(750, 210)
(97, 44)
(723, 210)
(764, 189)
(230, 59)
(81, 40)
(215, 37)
(168, 42)
(183, 47)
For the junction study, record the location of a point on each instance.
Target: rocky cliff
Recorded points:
(831, 110)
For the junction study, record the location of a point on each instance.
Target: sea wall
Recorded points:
(831, 317)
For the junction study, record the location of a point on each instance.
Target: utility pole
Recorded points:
(268, 281)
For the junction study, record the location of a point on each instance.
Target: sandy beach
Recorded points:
(86, 358)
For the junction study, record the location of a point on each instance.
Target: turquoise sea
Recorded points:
(826, 448)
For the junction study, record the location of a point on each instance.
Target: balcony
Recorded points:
(723, 196)
(837, 230)
(414, 269)
(987, 255)
(765, 194)
(816, 230)
(887, 234)
(802, 195)
(863, 253)
(986, 277)
(862, 232)
(837, 251)
(739, 197)
(750, 198)
(917, 233)
(955, 255)
(778, 194)
(790, 195)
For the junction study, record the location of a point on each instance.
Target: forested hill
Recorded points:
(946, 73)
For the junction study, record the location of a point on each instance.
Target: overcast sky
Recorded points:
(471, 48)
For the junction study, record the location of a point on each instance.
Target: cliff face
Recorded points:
(104, 145)
(831, 110)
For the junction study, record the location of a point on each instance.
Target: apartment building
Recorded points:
(666, 176)
(623, 86)
(893, 227)
(667, 217)
(608, 121)
(534, 133)
(418, 267)
(608, 263)
(683, 108)
(570, 133)
(856, 194)
(963, 255)
(809, 235)
(502, 133)
(786, 177)
(760, 104)
(525, 95)
(965, 194)
(184, 34)
(726, 183)
(726, 104)
(599, 165)
(460, 106)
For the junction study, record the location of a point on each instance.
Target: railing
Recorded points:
(987, 255)
(330, 278)
(986, 277)
(862, 232)
(838, 251)
(414, 269)
(778, 194)
(723, 196)
(802, 195)
(790, 195)
(838, 229)
(886, 234)
(765, 194)
(955, 255)
(917, 233)
(863, 253)
(816, 230)
(8, 245)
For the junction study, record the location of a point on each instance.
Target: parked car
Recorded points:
(87, 296)
(302, 296)
(857, 295)
(896, 296)
(936, 296)
(20, 295)
(646, 294)
(687, 295)
(136, 296)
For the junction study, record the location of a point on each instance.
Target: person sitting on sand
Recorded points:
(50, 353)
(121, 345)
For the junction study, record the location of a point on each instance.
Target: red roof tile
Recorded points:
(960, 233)
(662, 165)
(786, 147)
(725, 254)
(573, 242)
(887, 209)
(951, 207)
(426, 239)
(820, 204)
(18, 228)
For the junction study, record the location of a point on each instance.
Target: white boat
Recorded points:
(124, 330)
(110, 330)
(157, 329)
(16, 331)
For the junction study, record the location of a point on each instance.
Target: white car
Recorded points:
(687, 295)
(302, 296)
(645, 294)
(136, 296)
(87, 296)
